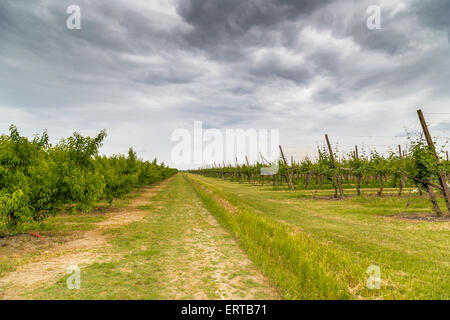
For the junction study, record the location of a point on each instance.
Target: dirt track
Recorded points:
(51, 265)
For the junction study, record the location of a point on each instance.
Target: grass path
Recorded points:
(175, 249)
(336, 241)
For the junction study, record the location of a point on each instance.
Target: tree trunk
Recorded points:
(419, 189)
(335, 190)
(358, 185)
(339, 183)
(402, 183)
(434, 201)
(381, 186)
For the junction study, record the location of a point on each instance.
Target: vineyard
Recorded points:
(38, 179)
(316, 227)
(420, 169)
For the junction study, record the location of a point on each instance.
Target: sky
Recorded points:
(141, 69)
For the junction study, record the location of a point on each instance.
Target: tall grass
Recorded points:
(300, 266)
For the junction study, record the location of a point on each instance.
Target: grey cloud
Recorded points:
(348, 18)
(330, 96)
(434, 14)
(60, 67)
(217, 21)
(274, 68)
(142, 73)
(168, 74)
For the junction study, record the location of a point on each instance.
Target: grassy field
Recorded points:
(321, 248)
(176, 251)
(192, 237)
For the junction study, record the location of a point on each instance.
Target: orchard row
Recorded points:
(38, 179)
(418, 168)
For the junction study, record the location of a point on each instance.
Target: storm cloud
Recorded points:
(142, 69)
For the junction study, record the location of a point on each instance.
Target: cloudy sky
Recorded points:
(142, 69)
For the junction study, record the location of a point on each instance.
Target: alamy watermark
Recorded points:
(213, 146)
(374, 280)
(74, 280)
(374, 20)
(73, 22)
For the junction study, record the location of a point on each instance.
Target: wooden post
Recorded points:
(330, 150)
(402, 178)
(333, 162)
(442, 177)
(358, 176)
(446, 152)
(289, 180)
(332, 159)
(264, 159)
(434, 201)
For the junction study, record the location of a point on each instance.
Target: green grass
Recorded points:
(320, 249)
(309, 248)
(57, 228)
(176, 252)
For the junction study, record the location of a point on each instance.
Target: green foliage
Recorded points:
(325, 165)
(361, 171)
(422, 162)
(37, 179)
(359, 164)
(378, 166)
